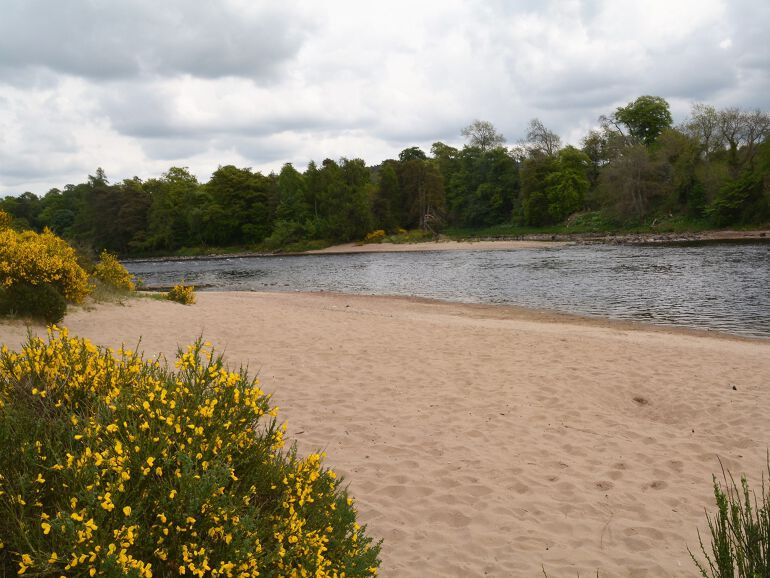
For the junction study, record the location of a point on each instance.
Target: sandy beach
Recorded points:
(488, 441)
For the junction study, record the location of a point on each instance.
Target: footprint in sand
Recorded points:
(655, 485)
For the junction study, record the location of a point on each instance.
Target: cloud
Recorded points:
(136, 87)
(100, 39)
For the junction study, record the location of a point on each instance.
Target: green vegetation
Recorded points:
(41, 302)
(740, 531)
(111, 273)
(113, 465)
(636, 172)
(39, 274)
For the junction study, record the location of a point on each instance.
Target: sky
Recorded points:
(139, 86)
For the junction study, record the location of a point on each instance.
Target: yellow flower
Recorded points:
(127, 510)
(26, 562)
(46, 527)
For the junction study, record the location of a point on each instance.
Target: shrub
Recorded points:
(740, 531)
(6, 220)
(375, 236)
(39, 259)
(37, 301)
(113, 465)
(112, 273)
(184, 294)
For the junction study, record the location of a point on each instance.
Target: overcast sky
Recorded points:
(138, 86)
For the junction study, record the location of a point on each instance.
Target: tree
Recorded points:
(704, 126)
(482, 134)
(386, 198)
(567, 184)
(742, 131)
(175, 214)
(481, 188)
(540, 140)
(645, 118)
(632, 183)
(422, 190)
(684, 191)
(412, 153)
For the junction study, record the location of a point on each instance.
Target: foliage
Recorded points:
(118, 466)
(645, 118)
(639, 169)
(375, 236)
(413, 236)
(739, 201)
(6, 220)
(482, 134)
(740, 531)
(42, 302)
(43, 258)
(184, 294)
(112, 273)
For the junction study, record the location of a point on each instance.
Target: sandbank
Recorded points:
(488, 441)
(440, 245)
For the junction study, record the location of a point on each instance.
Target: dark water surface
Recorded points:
(722, 287)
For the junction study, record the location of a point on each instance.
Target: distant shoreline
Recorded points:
(534, 241)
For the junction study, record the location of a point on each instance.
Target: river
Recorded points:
(719, 287)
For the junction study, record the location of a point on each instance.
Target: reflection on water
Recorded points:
(725, 287)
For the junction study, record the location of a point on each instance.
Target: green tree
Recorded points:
(421, 189)
(239, 209)
(482, 187)
(745, 200)
(645, 118)
(567, 184)
(632, 185)
(174, 213)
(387, 195)
(292, 216)
(25, 209)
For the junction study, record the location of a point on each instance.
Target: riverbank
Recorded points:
(483, 440)
(538, 241)
(529, 241)
(440, 245)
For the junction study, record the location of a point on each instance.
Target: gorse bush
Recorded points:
(740, 531)
(184, 294)
(40, 259)
(112, 273)
(375, 236)
(6, 220)
(37, 301)
(113, 465)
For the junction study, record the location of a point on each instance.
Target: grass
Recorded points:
(740, 531)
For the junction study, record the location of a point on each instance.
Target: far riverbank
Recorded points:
(529, 241)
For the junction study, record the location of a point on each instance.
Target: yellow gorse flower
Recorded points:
(41, 258)
(232, 502)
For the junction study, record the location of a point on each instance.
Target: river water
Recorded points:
(721, 287)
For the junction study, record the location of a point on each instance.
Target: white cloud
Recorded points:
(136, 87)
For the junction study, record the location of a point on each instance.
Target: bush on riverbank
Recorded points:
(116, 465)
(184, 294)
(34, 266)
(110, 272)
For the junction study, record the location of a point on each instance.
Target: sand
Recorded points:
(441, 245)
(489, 441)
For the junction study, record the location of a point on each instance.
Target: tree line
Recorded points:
(636, 168)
